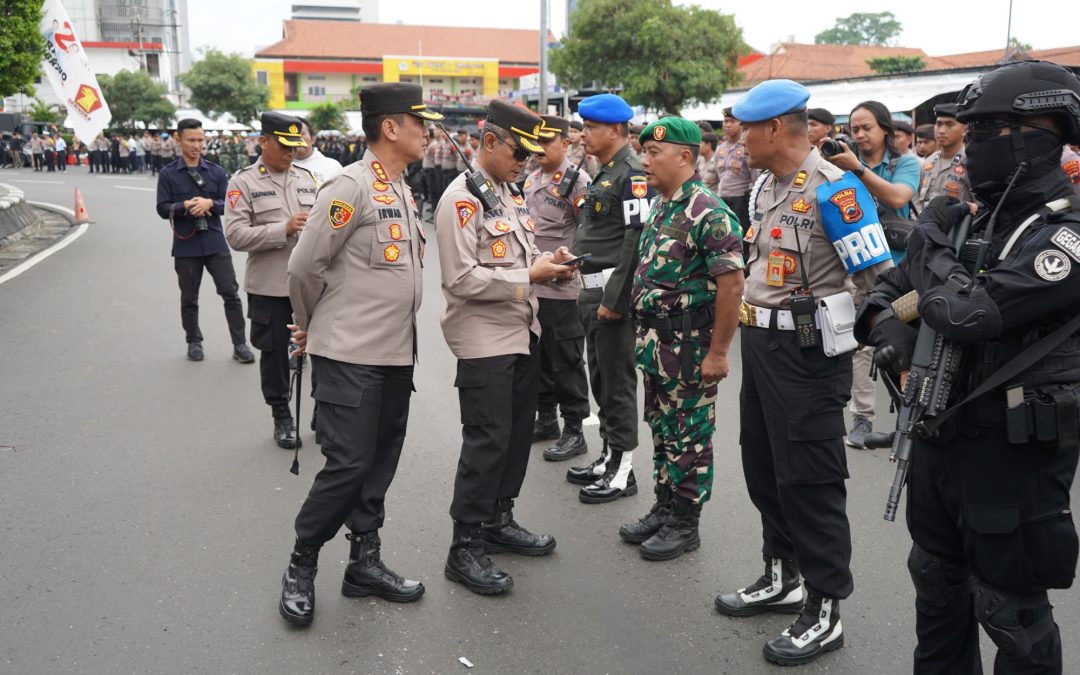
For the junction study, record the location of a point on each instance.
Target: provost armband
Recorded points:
(849, 216)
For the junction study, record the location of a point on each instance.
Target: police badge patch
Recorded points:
(339, 214)
(465, 211)
(1051, 265)
(233, 196)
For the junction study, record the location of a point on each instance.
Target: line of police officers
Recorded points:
(813, 242)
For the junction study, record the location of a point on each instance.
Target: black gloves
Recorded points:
(894, 342)
(944, 213)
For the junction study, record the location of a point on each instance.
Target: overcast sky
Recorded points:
(934, 26)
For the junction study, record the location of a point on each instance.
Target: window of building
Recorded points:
(370, 78)
(153, 65)
(435, 80)
(316, 91)
(292, 87)
(318, 78)
(262, 77)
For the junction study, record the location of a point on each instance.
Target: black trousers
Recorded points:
(740, 204)
(270, 318)
(563, 382)
(189, 274)
(792, 427)
(1002, 511)
(611, 372)
(363, 412)
(497, 396)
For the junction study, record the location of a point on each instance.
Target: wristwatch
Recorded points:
(859, 171)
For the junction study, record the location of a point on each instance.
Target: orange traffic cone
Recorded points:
(81, 216)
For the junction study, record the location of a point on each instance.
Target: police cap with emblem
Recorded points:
(555, 125)
(901, 125)
(821, 115)
(677, 130)
(771, 98)
(523, 124)
(391, 98)
(945, 110)
(606, 109)
(284, 128)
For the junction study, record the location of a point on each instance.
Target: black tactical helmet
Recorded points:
(1025, 89)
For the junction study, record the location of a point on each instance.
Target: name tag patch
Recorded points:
(1067, 241)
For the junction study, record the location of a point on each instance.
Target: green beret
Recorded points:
(676, 130)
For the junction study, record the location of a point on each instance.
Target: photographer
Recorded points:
(191, 196)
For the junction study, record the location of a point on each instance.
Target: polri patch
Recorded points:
(498, 248)
(1051, 265)
(233, 196)
(849, 207)
(391, 253)
(1067, 241)
(339, 214)
(800, 205)
(465, 212)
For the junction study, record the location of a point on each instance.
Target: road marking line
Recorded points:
(132, 187)
(41, 255)
(42, 182)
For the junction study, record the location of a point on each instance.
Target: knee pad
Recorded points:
(938, 582)
(1014, 622)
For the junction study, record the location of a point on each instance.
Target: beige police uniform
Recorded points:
(946, 177)
(706, 168)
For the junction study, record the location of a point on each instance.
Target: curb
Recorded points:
(66, 241)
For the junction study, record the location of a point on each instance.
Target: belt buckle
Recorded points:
(747, 316)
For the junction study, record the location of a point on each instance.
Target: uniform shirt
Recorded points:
(1070, 162)
(153, 146)
(167, 149)
(785, 206)
(610, 220)
(946, 177)
(460, 164)
(689, 240)
(706, 168)
(355, 277)
(429, 154)
(582, 160)
(175, 186)
(485, 258)
(319, 165)
(448, 157)
(257, 206)
(556, 220)
(733, 169)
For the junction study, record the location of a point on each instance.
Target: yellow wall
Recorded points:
(486, 69)
(275, 76)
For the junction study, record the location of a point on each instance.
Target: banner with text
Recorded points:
(70, 74)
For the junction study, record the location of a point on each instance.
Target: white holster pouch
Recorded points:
(836, 319)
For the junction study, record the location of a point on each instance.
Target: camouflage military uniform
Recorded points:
(687, 242)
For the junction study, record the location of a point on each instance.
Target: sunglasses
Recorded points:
(984, 130)
(520, 153)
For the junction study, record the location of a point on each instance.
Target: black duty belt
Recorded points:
(666, 324)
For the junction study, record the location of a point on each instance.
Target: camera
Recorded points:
(832, 146)
(201, 225)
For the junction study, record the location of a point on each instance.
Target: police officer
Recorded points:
(819, 125)
(733, 167)
(488, 261)
(191, 196)
(610, 222)
(686, 297)
(448, 162)
(564, 386)
(706, 164)
(988, 504)
(813, 239)
(577, 153)
(944, 173)
(267, 205)
(355, 282)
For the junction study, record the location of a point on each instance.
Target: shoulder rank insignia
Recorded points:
(262, 169)
(385, 199)
(339, 214)
(233, 196)
(498, 248)
(800, 178)
(605, 183)
(800, 205)
(391, 253)
(465, 211)
(380, 172)
(557, 177)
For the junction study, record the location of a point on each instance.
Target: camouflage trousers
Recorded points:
(682, 417)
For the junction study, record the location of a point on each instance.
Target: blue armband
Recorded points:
(849, 216)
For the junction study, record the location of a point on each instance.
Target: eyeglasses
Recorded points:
(520, 153)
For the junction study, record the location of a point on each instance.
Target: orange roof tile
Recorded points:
(307, 39)
(1066, 56)
(807, 63)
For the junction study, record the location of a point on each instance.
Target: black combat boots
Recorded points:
(546, 427)
(468, 564)
(570, 444)
(616, 481)
(816, 631)
(779, 590)
(587, 475)
(367, 575)
(650, 523)
(676, 536)
(504, 534)
(284, 428)
(297, 603)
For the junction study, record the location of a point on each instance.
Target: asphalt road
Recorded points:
(147, 514)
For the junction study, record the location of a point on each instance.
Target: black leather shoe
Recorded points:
(367, 575)
(616, 481)
(678, 535)
(546, 427)
(651, 522)
(570, 444)
(242, 353)
(504, 534)
(297, 604)
(285, 433)
(778, 590)
(195, 351)
(587, 475)
(815, 632)
(468, 564)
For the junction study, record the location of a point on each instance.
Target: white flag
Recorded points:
(72, 79)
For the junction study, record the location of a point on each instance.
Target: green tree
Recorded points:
(39, 112)
(326, 116)
(862, 28)
(224, 83)
(21, 46)
(663, 57)
(896, 64)
(136, 97)
(1016, 44)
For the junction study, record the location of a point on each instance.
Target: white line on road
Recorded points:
(43, 182)
(66, 241)
(132, 187)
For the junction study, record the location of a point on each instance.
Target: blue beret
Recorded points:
(770, 99)
(606, 109)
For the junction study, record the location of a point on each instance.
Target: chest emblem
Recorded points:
(395, 231)
(385, 199)
(500, 226)
(800, 205)
(498, 249)
(339, 214)
(518, 200)
(391, 253)
(465, 212)
(849, 207)
(529, 224)
(380, 186)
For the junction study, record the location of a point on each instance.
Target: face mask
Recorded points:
(990, 162)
